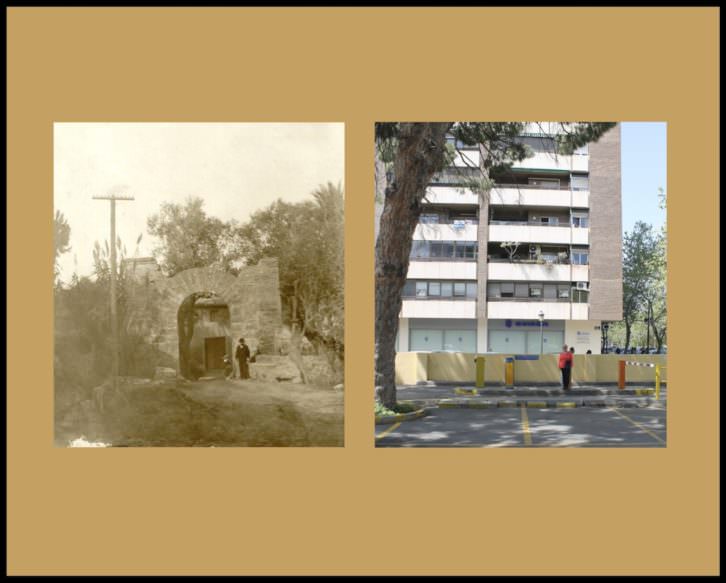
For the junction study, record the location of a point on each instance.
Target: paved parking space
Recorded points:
(529, 427)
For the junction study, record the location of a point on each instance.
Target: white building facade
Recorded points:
(534, 265)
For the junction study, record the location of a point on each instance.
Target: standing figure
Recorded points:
(564, 363)
(572, 365)
(242, 354)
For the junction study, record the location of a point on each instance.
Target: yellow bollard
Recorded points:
(657, 382)
(479, 371)
(509, 372)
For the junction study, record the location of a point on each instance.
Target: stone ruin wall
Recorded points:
(253, 298)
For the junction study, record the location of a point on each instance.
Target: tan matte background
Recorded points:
(357, 510)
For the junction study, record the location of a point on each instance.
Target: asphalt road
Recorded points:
(528, 427)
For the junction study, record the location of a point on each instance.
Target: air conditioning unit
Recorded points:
(582, 285)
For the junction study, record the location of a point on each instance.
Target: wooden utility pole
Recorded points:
(112, 198)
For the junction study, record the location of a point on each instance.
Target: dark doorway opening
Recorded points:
(214, 351)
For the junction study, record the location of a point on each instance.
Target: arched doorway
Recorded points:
(205, 335)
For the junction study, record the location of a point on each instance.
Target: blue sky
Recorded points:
(644, 170)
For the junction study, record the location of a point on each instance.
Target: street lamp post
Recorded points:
(541, 331)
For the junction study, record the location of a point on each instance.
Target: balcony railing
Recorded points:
(532, 224)
(566, 300)
(452, 259)
(528, 261)
(565, 187)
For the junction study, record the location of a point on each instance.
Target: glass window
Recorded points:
(435, 247)
(535, 291)
(494, 290)
(550, 291)
(428, 218)
(447, 249)
(434, 288)
(579, 257)
(544, 182)
(579, 220)
(507, 290)
(579, 182)
(420, 249)
(459, 289)
(426, 339)
(521, 290)
(446, 289)
(471, 289)
(563, 292)
(409, 289)
(421, 289)
(460, 340)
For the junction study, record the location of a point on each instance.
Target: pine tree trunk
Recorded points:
(419, 155)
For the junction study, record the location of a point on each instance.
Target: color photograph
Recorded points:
(521, 284)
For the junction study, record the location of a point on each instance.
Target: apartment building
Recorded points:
(535, 264)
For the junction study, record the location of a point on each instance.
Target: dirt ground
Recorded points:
(220, 413)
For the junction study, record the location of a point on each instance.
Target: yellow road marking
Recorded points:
(387, 431)
(525, 427)
(638, 425)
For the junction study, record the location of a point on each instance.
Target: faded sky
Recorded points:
(236, 168)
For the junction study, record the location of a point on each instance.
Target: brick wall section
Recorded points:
(606, 245)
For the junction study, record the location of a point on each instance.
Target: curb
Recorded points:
(490, 404)
(402, 417)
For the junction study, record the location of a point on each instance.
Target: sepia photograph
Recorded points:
(520, 275)
(198, 284)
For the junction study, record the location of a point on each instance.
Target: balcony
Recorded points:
(451, 195)
(536, 196)
(505, 270)
(445, 232)
(525, 232)
(548, 161)
(437, 269)
(529, 309)
(438, 308)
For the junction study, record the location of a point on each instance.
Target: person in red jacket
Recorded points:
(565, 365)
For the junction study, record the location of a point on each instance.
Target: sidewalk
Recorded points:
(468, 396)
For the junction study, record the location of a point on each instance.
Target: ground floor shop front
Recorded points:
(511, 336)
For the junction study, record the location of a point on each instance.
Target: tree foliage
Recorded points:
(644, 285)
(307, 239)
(61, 240)
(187, 236)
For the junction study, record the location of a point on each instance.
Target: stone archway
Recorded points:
(253, 299)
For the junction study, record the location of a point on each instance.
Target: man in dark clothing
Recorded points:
(242, 354)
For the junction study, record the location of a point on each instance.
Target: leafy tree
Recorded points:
(307, 239)
(61, 240)
(408, 156)
(188, 237)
